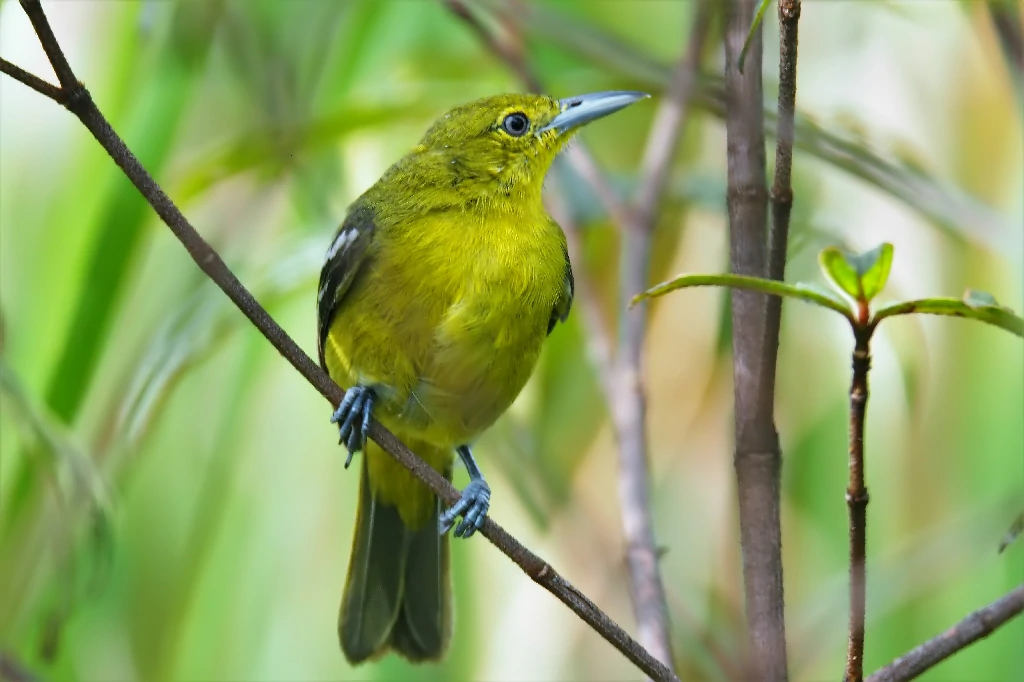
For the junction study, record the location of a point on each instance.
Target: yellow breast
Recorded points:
(449, 319)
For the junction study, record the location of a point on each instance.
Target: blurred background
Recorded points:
(172, 499)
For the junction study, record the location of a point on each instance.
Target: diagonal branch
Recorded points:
(629, 406)
(77, 100)
(757, 459)
(974, 627)
(33, 81)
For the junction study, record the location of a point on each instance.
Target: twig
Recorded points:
(629, 406)
(857, 503)
(77, 100)
(31, 80)
(599, 336)
(757, 459)
(782, 188)
(974, 627)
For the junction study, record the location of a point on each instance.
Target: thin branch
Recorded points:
(757, 459)
(629, 406)
(33, 81)
(79, 102)
(782, 189)
(974, 627)
(599, 336)
(857, 504)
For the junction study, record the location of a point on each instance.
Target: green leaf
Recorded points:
(860, 276)
(804, 292)
(874, 267)
(974, 306)
(754, 26)
(840, 272)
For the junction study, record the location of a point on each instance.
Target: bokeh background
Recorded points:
(174, 505)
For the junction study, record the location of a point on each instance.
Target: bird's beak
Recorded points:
(576, 111)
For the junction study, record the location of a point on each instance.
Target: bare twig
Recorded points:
(629, 406)
(31, 80)
(77, 100)
(857, 503)
(599, 335)
(757, 459)
(974, 627)
(782, 188)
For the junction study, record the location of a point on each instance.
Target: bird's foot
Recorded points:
(472, 507)
(353, 419)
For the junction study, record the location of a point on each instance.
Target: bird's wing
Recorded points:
(564, 303)
(344, 258)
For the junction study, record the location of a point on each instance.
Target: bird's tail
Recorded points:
(397, 593)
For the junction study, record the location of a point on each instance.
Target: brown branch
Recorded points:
(629, 406)
(974, 627)
(782, 188)
(857, 504)
(79, 102)
(757, 459)
(33, 81)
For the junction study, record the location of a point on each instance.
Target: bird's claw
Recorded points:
(353, 419)
(472, 507)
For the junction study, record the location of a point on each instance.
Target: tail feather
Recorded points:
(397, 593)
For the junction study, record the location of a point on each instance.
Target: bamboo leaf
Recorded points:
(754, 26)
(974, 306)
(804, 292)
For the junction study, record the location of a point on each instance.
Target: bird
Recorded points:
(435, 298)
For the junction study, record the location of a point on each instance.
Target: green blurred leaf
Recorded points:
(804, 292)
(873, 267)
(841, 273)
(982, 307)
(754, 26)
(861, 276)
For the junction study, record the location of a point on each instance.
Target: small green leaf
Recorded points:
(874, 267)
(980, 299)
(756, 24)
(840, 272)
(977, 309)
(861, 276)
(804, 292)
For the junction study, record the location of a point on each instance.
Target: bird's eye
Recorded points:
(516, 124)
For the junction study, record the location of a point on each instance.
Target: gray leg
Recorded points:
(474, 503)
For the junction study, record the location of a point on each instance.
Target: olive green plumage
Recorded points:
(438, 291)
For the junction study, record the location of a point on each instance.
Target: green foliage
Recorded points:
(968, 307)
(859, 276)
(804, 292)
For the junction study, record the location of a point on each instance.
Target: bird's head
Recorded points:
(503, 145)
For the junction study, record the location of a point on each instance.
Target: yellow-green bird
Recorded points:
(436, 296)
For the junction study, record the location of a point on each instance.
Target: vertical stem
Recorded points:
(857, 504)
(757, 459)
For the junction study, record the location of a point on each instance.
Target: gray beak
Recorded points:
(577, 111)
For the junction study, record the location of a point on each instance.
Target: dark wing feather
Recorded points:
(564, 304)
(344, 257)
